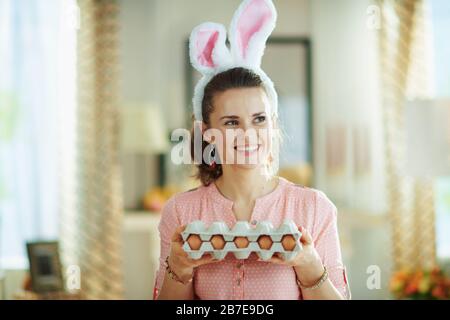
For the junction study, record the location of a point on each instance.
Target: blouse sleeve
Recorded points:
(167, 226)
(326, 241)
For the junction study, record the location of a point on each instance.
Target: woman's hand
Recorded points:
(307, 264)
(179, 261)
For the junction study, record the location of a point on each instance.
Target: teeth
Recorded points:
(247, 149)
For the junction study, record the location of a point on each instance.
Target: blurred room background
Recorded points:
(91, 90)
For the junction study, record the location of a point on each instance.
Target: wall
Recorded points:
(347, 93)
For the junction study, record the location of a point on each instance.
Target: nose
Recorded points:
(247, 124)
(248, 133)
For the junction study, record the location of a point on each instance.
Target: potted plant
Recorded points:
(420, 284)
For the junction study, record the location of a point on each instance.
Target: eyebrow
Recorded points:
(236, 117)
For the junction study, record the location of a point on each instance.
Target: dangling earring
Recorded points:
(268, 164)
(212, 164)
(270, 158)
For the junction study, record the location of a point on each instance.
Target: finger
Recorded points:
(204, 257)
(208, 258)
(278, 255)
(277, 260)
(306, 237)
(179, 251)
(274, 259)
(176, 237)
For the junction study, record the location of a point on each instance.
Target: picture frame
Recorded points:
(282, 56)
(45, 266)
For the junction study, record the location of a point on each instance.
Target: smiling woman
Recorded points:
(243, 108)
(233, 98)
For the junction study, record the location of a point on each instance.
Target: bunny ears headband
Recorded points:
(250, 28)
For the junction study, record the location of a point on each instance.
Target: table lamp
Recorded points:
(428, 138)
(143, 133)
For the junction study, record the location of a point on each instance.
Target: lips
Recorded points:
(247, 148)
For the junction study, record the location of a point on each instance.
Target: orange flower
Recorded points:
(400, 276)
(428, 283)
(438, 292)
(424, 285)
(396, 284)
(411, 288)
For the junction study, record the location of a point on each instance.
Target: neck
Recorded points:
(239, 184)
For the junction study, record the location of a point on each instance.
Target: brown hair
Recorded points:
(230, 79)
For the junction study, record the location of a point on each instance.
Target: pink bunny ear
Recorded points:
(207, 47)
(252, 24)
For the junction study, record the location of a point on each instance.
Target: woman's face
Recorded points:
(241, 118)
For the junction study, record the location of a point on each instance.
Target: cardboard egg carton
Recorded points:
(219, 240)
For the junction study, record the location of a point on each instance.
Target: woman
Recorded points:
(239, 183)
(231, 192)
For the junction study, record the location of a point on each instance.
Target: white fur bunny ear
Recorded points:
(207, 47)
(252, 24)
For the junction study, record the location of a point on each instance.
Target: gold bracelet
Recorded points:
(319, 282)
(174, 276)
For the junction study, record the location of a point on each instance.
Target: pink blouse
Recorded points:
(233, 279)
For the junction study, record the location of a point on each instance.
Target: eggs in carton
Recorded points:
(217, 242)
(194, 242)
(265, 242)
(241, 240)
(288, 242)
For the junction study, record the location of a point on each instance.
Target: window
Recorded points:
(440, 10)
(37, 100)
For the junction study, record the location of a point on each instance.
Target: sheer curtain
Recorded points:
(405, 51)
(37, 107)
(441, 25)
(92, 236)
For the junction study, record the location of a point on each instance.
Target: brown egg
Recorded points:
(241, 242)
(288, 242)
(265, 242)
(194, 241)
(218, 242)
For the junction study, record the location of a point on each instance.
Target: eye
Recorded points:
(231, 123)
(260, 119)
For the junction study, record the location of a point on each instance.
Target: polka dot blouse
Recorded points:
(234, 279)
